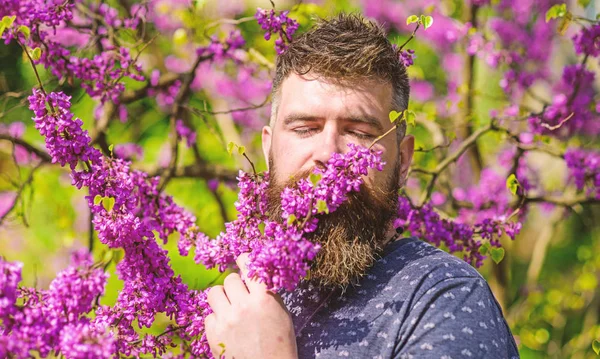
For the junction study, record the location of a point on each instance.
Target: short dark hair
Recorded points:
(347, 47)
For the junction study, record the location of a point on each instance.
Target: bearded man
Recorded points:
(370, 294)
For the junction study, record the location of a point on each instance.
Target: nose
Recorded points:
(331, 142)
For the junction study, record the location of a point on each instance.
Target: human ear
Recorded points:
(266, 143)
(407, 148)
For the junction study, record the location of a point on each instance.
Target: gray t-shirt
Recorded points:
(415, 302)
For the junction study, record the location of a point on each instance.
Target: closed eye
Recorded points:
(305, 131)
(361, 135)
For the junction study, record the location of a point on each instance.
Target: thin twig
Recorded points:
(410, 37)
(20, 192)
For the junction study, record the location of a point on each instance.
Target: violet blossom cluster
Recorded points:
(277, 23)
(279, 254)
(407, 57)
(486, 217)
(185, 132)
(584, 168)
(102, 74)
(53, 320)
(587, 41)
(569, 113)
(150, 285)
(220, 50)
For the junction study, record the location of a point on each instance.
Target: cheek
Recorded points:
(290, 156)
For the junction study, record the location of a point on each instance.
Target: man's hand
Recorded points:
(248, 320)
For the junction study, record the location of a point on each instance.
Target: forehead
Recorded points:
(327, 98)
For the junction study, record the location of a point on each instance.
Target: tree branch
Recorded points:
(29, 147)
(181, 97)
(470, 141)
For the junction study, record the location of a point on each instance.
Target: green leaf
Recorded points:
(512, 183)
(584, 3)
(108, 203)
(222, 345)
(484, 249)
(97, 200)
(110, 149)
(291, 219)
(2, 28)
(556, 11)
(410, 117)
(427, 21)
(596, 346)
(25, 31)
(8, 20)
(497, 254)
(261, 227)
(315, 178)
(393, 115)
(241, 150)
(322, 206)
(230, 146)
(36, 53)
(412, 19)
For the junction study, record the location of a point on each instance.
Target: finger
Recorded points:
(210, 323)
(217, 299)
(253, 283)
(235, 289)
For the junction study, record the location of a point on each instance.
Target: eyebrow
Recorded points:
(298, 117)
(369, 120)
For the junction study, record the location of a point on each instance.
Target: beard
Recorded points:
(352, 236)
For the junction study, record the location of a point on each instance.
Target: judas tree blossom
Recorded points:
(279, 24)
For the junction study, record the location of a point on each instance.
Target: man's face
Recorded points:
(316, 118)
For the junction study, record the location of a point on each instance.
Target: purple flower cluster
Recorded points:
(186, 133)
(485, 217)
(569, 113)
(584, 168)
(223, 50)
(101, 75)
(455, 236)
(587, 41)
(279, 255)
(66, 142)
(251, 206)
(30, 13)
(44, 321)
(129, 151)
(281, 24)
(150, 286)
(10, 276)
(407, 57)
(525, 40)
(82, 340)
(426, 223)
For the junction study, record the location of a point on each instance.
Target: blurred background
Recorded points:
(477, 61)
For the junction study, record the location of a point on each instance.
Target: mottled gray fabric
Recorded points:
(415, 302)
